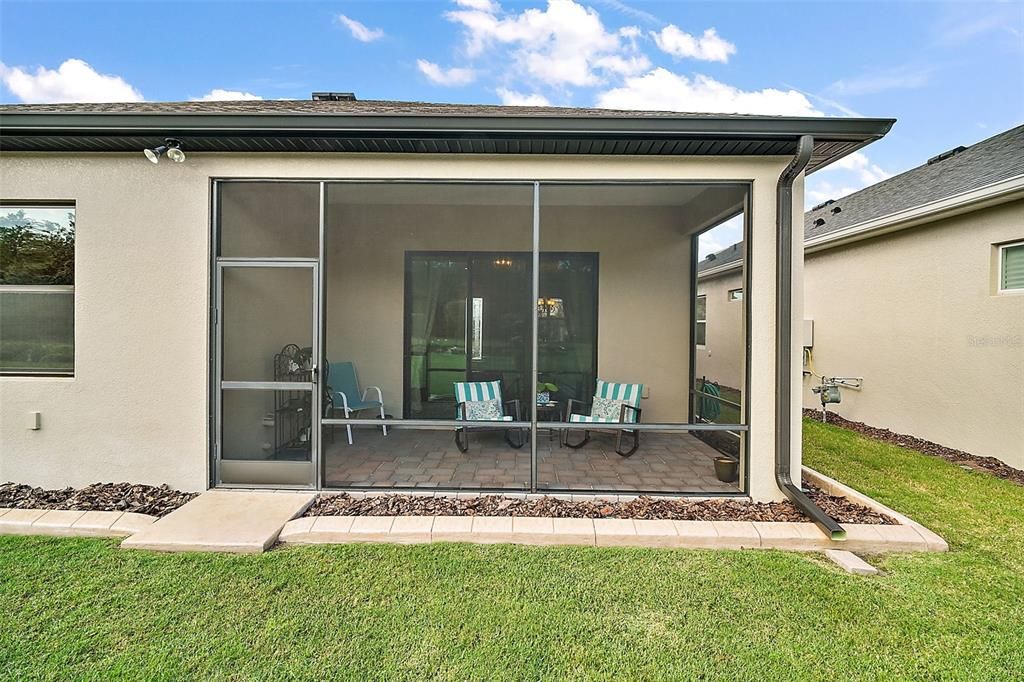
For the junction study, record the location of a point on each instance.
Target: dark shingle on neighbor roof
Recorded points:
(986, 162)
(727, 256)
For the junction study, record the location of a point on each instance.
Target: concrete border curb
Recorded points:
(801, 537)
(932, 540)
(72, 523)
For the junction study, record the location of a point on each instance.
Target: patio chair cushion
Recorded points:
(588, 419)
(485, 411)
(482, 399)
(607, 409)
(610, 396)
(467, 391)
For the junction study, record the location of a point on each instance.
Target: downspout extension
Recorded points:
(784, 341)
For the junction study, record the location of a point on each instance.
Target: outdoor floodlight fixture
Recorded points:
(171, 147)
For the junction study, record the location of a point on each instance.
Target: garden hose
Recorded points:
(710, 408)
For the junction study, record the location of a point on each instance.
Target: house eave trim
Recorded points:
(973, 200)
(854, 129)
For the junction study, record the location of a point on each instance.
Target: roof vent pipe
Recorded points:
(784, 341)
(945, 155)
(334, 97)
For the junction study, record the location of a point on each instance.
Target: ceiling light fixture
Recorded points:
(171, 147)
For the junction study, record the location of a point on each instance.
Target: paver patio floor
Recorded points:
(411, 458)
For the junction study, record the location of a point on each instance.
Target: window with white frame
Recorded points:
(735, 294)
(1011, 267)
(700, 318)
(37, 289)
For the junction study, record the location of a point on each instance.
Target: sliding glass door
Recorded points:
(466, 319)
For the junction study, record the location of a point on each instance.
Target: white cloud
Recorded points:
(518, 99)
(72, 81)
(858, 162)
(481, 5)
(664, 90)
(451, 77)
(565, 44)
(901, 78)
(849, 174)
(719, 237)
(631, 11)
(1000, 22)
(709, 47)
(819, 190)
(219, 95)
(361, 31)
(625, 66)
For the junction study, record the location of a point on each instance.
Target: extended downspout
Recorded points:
(784, 341)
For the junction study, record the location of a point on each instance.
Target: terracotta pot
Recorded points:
(727, 469)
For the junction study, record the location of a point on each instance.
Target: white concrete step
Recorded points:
(850, 562)
(223, 521)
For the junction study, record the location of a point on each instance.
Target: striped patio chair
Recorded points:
(613, 403)
(480, 401)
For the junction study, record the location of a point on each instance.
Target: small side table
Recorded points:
(550, 412)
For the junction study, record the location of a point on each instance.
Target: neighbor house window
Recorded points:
(37, 289)
(701, 320)
(735, 294)
(1011, 267)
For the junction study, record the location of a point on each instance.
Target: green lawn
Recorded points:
(72, 609)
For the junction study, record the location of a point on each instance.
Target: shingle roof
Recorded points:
(727, 256)
(986, 162)
(383, 126)
(362, 107)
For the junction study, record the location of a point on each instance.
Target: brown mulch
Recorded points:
(141, 499)
(991, 465)
(844, 510)
(644, 507)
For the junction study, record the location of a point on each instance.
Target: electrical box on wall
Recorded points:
(808, 333)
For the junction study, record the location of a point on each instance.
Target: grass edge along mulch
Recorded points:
(991, 465)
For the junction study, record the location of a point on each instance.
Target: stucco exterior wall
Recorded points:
(916, 314)
(137, 407)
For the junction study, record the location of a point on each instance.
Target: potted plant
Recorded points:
(727, 469)
(544, 391)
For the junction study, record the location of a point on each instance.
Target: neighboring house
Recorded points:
(916, 286)
(398, 240)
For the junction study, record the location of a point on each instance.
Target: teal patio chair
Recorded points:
(342, 392)
(481, 401)
(613, 404)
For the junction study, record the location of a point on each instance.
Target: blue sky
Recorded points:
(952, 73)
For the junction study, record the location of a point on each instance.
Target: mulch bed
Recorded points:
(125, 497)
(991, 465)
(839, 508)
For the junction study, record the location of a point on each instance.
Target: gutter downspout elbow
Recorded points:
(784, 341)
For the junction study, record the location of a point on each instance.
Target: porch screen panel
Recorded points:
(269, 219)
(614, 337)
(428, 288)
(268, 323)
